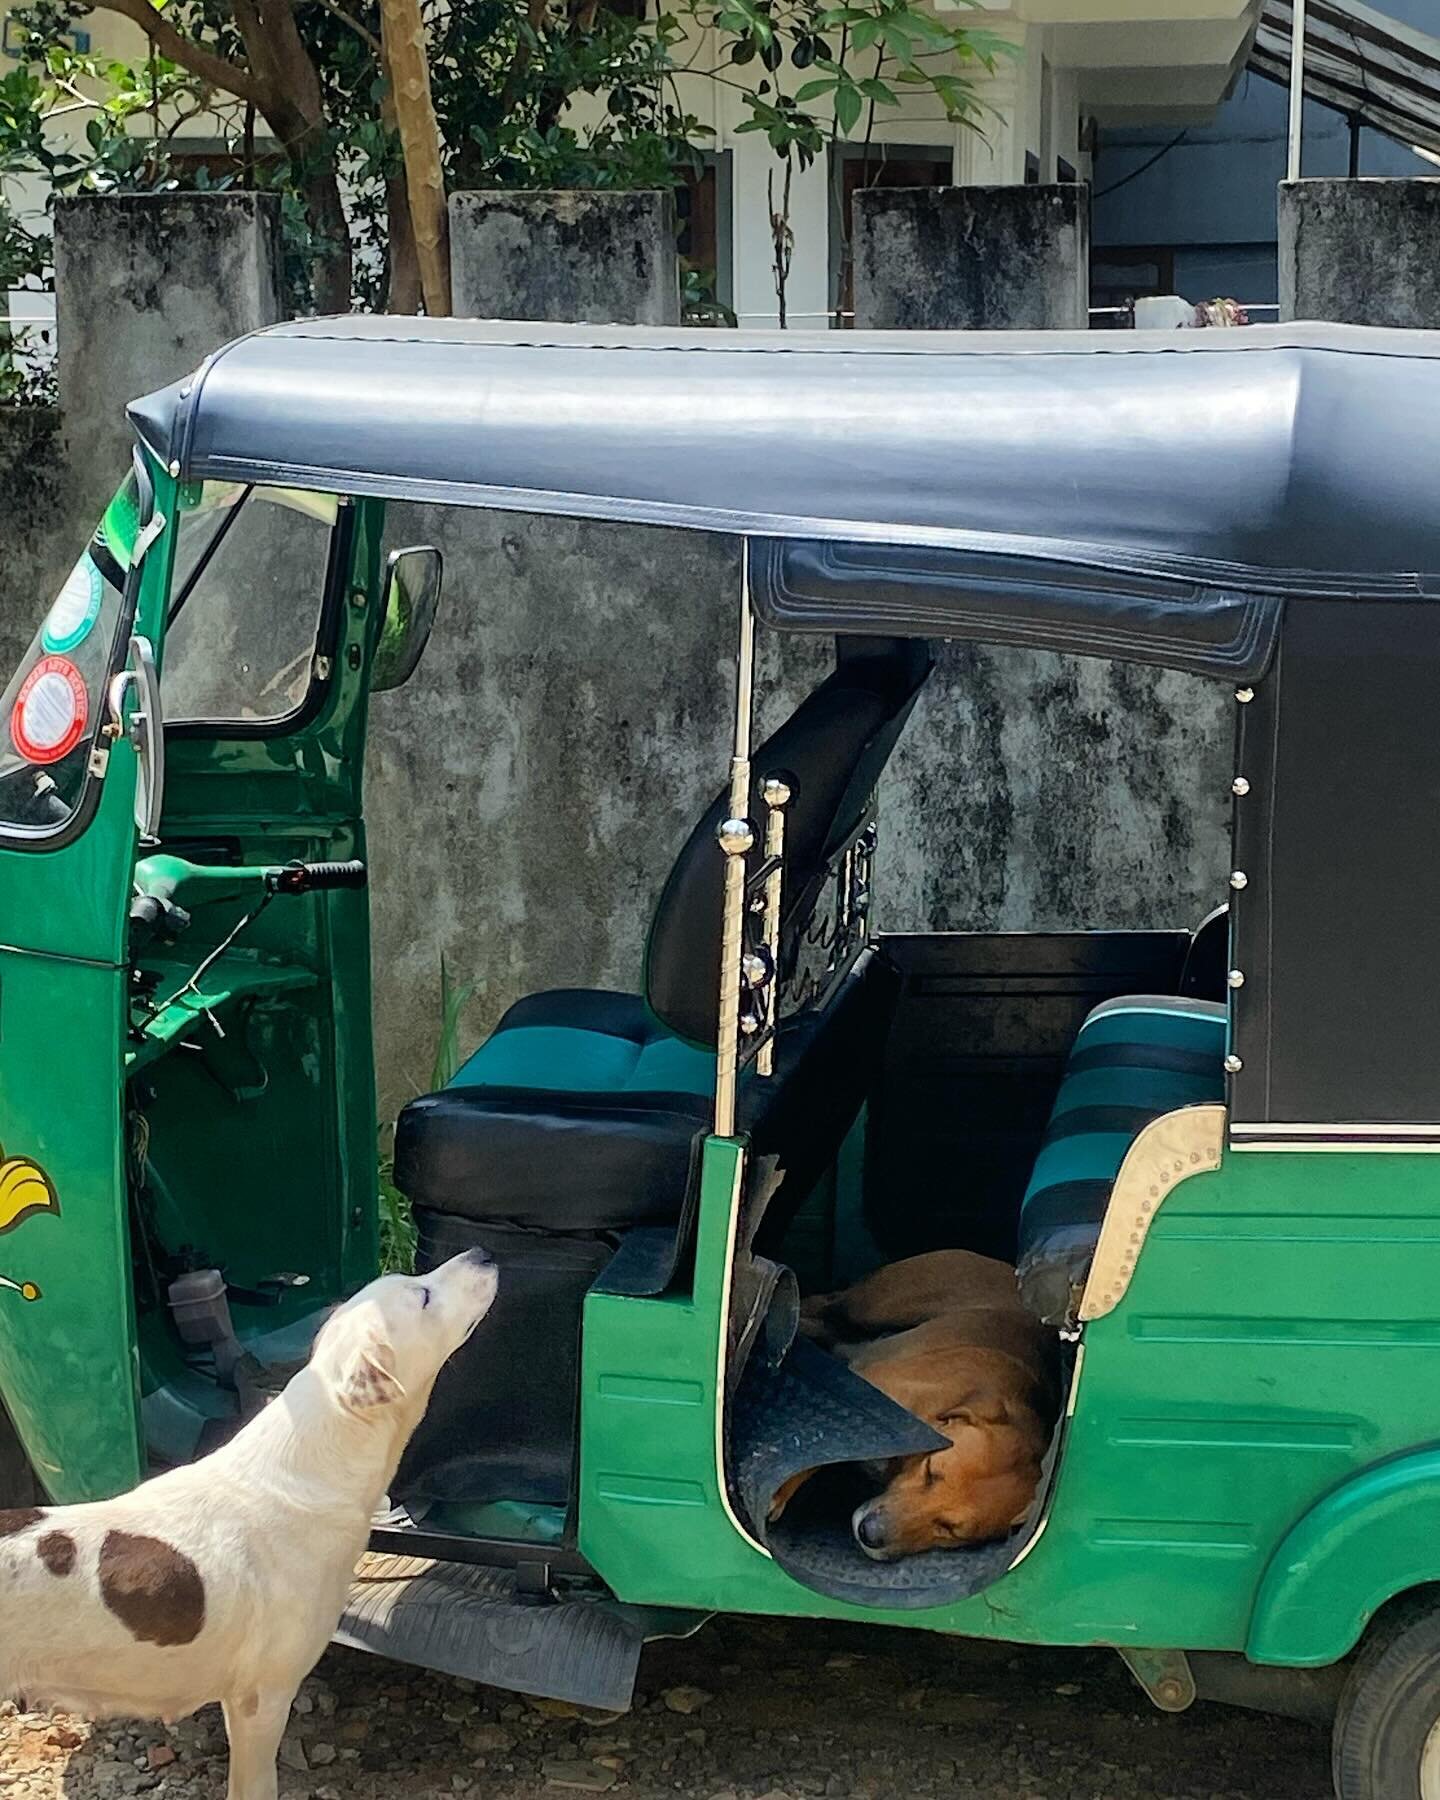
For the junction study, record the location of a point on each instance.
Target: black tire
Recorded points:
(18, 1486)
(1390, 1707)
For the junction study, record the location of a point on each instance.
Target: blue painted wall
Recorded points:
(1211, 198)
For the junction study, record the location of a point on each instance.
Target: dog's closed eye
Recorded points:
(424, 1298)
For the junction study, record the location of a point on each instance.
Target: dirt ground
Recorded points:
(745, 1711)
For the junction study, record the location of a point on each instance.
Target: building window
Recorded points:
(856, 166)
(703, 209)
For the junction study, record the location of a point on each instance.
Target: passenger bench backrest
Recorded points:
(833, 749)
(1135, 1059)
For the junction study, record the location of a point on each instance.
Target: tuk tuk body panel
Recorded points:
(1275, 1344)
(67, 1359)
(1362, 1545)
(68, 1363)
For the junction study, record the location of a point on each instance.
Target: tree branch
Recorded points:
(363, 32)
(202, 63)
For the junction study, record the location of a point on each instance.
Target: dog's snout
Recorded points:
(479, 1258)
(870, 1529)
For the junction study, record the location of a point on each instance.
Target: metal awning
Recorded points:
(1362, 62)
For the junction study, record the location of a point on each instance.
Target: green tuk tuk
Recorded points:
(1210, 1153)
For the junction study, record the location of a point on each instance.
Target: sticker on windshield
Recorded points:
(72, 617)
(25, 1191)
(51, 711)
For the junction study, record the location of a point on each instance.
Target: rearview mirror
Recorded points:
(412, 597)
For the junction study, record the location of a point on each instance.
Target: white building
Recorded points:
(1079, 65)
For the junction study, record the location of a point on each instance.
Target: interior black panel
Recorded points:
(1338, 1021)
(972, 1064)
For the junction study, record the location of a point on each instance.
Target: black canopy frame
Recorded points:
(1149, 497)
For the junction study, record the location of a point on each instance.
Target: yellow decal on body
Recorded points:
(25, 1189)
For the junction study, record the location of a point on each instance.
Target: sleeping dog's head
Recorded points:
(996, 1408)
(975, 1491)
(379, 1354)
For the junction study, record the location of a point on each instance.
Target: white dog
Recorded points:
(225, 1580)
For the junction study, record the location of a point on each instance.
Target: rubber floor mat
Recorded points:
(467, 1621)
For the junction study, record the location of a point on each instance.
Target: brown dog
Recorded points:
(947, 1337)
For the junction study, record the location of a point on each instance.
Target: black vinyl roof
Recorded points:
(1147, 495)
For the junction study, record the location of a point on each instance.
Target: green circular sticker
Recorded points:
(72, 617)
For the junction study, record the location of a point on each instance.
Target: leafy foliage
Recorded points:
(851, 58)
(814, 69)
(397, 1224)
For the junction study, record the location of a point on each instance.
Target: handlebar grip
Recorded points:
(310, 878)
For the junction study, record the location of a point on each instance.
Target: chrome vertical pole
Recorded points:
(1297, 87)
(736, 836)
(777, 798)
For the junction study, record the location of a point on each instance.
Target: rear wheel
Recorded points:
(1387, 1728)
(18, 1486)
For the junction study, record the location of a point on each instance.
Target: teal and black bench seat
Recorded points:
(1133, 1060)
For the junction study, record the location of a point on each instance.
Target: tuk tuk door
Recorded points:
(251, 1082)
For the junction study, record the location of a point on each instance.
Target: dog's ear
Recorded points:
(976, 1409)
(367, 1375)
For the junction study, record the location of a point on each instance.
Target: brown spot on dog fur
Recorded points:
(21, 1519)
(57, 1551)
(154, 1591)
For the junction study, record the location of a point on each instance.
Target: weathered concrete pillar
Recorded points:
(1361, 252)
(145, 286)
(595, 258)
(972, 258)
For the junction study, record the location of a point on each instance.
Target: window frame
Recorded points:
(339, 561)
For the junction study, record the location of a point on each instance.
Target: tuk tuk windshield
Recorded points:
(52, 708)
(246, 597)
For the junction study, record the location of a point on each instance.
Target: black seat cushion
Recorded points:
(559, 1162)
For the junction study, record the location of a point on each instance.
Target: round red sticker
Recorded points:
(51, 711)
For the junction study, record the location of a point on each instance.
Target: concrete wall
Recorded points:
(40, 543)
(1361, 252)
(972, 258)
(528, 790)
(602, 258)
(145, 285)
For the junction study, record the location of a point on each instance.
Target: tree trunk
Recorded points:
(403, 30)
(404, 293)
(332, 270)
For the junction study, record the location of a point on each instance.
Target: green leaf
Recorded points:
(812, 90)
(847, 108)
(875, 89)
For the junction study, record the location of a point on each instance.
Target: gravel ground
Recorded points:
(748, 1710)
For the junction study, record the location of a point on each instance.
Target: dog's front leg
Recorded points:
(255, 1724)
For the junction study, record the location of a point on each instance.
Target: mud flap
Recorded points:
(471, 1621)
